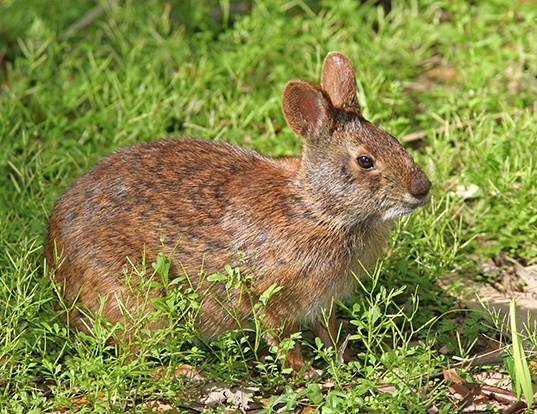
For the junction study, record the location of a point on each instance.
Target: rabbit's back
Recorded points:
(164, 190)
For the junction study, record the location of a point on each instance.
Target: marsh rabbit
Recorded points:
(306, 224)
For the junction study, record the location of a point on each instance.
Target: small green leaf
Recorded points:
(315, 394)
(267, 294)
(217, 277)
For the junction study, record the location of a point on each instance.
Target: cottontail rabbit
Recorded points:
(306, 224)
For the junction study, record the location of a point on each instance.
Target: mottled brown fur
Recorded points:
(305, 224)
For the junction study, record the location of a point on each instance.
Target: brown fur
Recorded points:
(305, 224)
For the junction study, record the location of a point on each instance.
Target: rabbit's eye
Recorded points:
(364, 162)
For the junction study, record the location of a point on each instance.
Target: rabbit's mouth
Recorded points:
(408, 206)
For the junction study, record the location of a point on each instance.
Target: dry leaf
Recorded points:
(217, 394)
(444, 74)
(189, 373)
(475, 397)
(160, 407)
(185, 371)
(466, 193)
(432, 78)
(527, 274)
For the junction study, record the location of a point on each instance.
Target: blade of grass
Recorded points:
(522, 380)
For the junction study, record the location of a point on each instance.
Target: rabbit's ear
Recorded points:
(307, 109)
(339, 82)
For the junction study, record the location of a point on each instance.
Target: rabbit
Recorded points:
(307, 224)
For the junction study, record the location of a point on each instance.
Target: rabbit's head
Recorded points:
(352, 171)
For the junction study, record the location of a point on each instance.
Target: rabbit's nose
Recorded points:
(420, 186)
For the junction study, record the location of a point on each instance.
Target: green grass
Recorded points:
(146, 70)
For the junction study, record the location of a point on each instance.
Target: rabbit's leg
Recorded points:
(329, 336)
(296, 361)
(294, 358)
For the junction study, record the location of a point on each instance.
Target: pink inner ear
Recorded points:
(306, 107)
(312, 110)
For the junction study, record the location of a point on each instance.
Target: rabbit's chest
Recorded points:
(333, 268)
